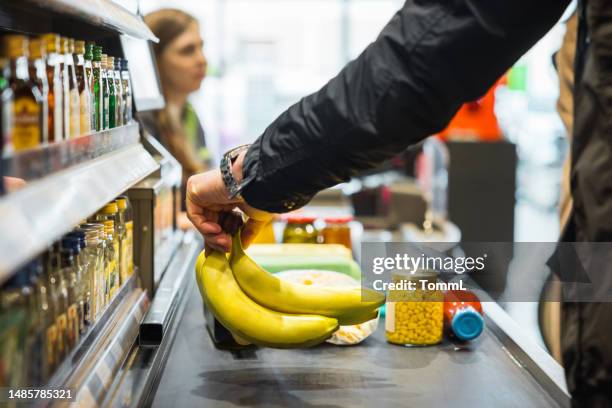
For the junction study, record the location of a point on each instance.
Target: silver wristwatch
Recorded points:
(227, 161)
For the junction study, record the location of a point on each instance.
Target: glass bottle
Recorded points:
(27, 99)
(35, 331)
(337, 230)
(38, 74)
(118, 93)
(72, 104)
(122, 235)
(94, 252)
(69, 272)
(6, 113)
(112, 93)
(55, 101)
(13, 311)
(88, 57)
(98, 86)
(59, 298)
(46, 321)
(105, 92)
(127, 92)
(125, 208)
(48, 307)
(83, 86)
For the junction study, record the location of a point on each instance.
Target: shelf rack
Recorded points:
(83, 174)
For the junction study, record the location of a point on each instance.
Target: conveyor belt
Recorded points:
(372, 374)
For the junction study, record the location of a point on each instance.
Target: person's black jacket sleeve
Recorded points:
(431, 57)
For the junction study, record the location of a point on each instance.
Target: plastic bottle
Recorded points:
(463, 315)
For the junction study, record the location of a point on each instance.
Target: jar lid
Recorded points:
(300, 219)
(339, 220)
(122, 203)
(110, 208)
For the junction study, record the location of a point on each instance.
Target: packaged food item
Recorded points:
(300, 230)
(463, 315)
(415, 317)
(337, 230)
(345, 335)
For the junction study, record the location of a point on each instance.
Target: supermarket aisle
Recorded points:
(374, 373)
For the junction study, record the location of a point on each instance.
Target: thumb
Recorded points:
(250, 230)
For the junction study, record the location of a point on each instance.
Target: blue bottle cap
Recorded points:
(467, 324)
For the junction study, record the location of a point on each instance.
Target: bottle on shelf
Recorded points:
(118, 93)
(108, 216)
(34, 344)
(72, 127)
(59, 298)
(127, 92)
(88, 57)
(38, 74)
(13, 320)
(6, 114)
(26, 129)
(94, 271)
(112, 92)
(463, 315)
(47, 293)
(55, 100)
(105, 92)
(98, 85)
(83, 86)
(121, 229)
(46, 321)
(69, 272)
(125, 209)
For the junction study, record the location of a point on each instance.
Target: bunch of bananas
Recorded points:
(264, 310)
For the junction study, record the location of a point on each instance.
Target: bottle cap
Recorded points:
(79, 47)
(71, 45)
(467, 324)
(300, 219)
(64, 45)
(122, 203)
(37, 50)
(52, 42)
(118, 63)
(110, 62)
(15, 45)
(110, 208)
(104, 60)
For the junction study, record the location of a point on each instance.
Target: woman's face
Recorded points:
(182, 62)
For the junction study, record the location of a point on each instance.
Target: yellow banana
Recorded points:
(251, 321)
(344, 304)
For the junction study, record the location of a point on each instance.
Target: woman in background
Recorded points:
(182, 68)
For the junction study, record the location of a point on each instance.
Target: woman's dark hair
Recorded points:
(168, 24)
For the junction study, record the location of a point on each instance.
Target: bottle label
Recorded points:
(84, 101)
(62, 326)
(58, 109)
(129, 227)
(75, 114)
(8, 107)
(73, 324)
(390, 317)
(51, 345)
(26, 124)
(106, 112)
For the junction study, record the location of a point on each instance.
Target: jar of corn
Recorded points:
(414, 316)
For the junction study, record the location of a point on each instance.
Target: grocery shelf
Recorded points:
(99, 13)
(43, 160)
(84, 350)
(45, 209)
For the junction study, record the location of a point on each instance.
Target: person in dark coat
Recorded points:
(432, 57)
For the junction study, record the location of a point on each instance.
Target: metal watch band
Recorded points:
(227, 160)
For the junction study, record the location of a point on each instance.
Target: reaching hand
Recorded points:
(213, 213)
